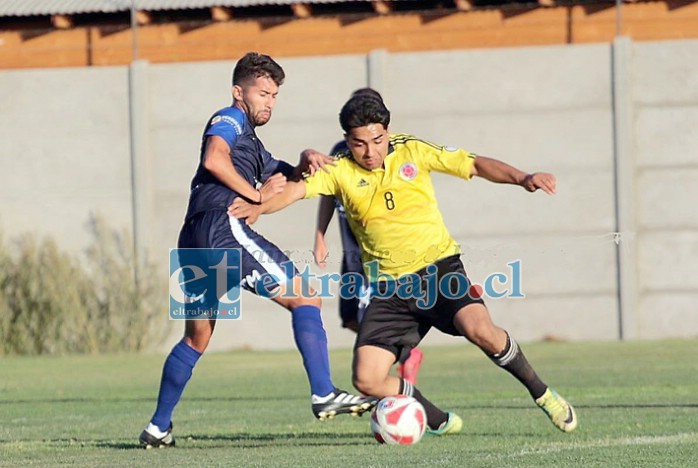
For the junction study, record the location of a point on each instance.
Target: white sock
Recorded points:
(155, 431)
(318, 399)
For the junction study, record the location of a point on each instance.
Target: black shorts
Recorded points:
(399, 324)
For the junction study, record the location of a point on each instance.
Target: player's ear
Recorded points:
(237, 92)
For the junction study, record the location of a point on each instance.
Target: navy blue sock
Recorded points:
(175, 375)
(311, 341)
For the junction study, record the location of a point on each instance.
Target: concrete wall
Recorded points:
(65, 151)
(665, 93)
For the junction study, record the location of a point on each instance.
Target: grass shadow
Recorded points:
(151, 399)
(242, 440)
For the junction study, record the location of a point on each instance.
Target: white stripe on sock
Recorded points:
(407, 388)
(509, 356)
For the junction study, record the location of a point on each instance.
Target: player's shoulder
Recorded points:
(230, 116)
(342, 155)
(398, 140)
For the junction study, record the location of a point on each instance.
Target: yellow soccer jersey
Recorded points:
(393, 210)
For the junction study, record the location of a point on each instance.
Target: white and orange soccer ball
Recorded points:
(398, 420)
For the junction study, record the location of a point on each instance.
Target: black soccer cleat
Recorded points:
(148, 440)
(341, 402)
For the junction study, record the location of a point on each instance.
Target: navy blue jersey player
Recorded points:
(234, 163)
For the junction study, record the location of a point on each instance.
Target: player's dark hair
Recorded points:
(367, 92)
(253, 65)
(360, 111)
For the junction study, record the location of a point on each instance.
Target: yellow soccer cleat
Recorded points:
(453, 425)
(558, 410)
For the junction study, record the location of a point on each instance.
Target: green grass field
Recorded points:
(637, 404)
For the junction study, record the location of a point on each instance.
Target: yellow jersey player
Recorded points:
(385, 185)
(353, 306)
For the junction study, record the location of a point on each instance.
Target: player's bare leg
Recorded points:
(371, 372)
(198, 333)
(371, 376)
(475, 323)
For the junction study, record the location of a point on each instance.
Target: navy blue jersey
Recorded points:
(251, 160)
(339, 148)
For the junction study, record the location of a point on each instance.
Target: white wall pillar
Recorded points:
(625, 188)
(141, 176)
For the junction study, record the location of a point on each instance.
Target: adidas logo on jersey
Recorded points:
(362, 183)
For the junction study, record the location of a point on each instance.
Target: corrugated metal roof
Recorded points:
(68, 7)
(52, 7)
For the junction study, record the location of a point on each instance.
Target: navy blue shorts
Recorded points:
(216, 230)
(351, 309)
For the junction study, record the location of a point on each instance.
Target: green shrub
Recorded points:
(55, 303)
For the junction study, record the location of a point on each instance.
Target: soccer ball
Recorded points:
(398, 420)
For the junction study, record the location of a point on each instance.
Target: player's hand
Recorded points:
(540, 180)
(320, 252)
(273, 185)
(312, 161)
(242, 209)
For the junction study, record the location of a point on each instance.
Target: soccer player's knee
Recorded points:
(362, 386)
(305, 301)
(365, 382)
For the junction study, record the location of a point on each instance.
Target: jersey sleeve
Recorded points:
(228, 124)
(321, 183)
(273, 165)
(446, 159)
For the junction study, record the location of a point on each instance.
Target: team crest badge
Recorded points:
(408, 171)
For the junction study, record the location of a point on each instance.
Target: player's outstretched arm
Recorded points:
(502, 173)
(240, 208)
(310, 162)
(324, 216)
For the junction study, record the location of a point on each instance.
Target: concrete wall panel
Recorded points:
(65, 151)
